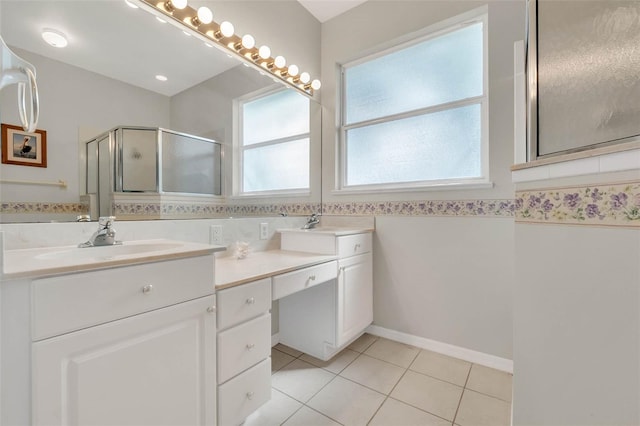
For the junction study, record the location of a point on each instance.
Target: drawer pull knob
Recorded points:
(251, 301)
(211, 309)
(356, 247)
(250, 346)
(312, 278)
(250, 395)
(147, 289)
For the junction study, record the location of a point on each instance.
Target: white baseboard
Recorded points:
(275, 339)
(470, 355)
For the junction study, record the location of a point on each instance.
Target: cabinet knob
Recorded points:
(356, 247)
(250, 395)
(211, 309)
(250, 346)
(251, 301)
(147, 289)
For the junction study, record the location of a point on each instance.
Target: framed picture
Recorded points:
(23, 148)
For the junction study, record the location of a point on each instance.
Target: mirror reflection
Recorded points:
(142, 74)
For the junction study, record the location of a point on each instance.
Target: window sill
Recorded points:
(430, 188)
(271, 195)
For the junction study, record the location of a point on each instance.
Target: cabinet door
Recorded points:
(355, 297)
(156, 368)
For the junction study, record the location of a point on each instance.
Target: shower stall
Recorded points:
(151, 160)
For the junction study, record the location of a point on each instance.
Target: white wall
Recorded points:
(73, 101)
(446, 279)
(577, 325)
(421, 287)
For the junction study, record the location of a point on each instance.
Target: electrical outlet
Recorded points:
(264, 231)
(215, 235)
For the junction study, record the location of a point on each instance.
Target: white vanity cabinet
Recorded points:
(325, 318)
(130, 345)
(244, 349)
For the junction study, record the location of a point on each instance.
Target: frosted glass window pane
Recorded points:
(277, 167)
(276, 116)
(443, 69)
(435, 146)
(190, 165)
(139, 168)
(588, 62)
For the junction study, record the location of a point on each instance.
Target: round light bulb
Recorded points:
(54, 38)
(305, 77)
(226, 29)
(293, 70)
(205, 15)
(280, 61)
(161, 77)
(315, 84)
(248, 41)
(264, 52)
(179, 4)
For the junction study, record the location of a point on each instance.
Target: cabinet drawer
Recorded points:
(289, 283)
(242, 346)
(244, 394)
(351, 245)
(72, 302)
(246, 301)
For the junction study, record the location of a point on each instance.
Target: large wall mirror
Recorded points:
(583, 62)
(106, 78)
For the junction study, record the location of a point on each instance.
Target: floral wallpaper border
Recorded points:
(614, 205)
(610, 205)
(490, 208)
(28, 207)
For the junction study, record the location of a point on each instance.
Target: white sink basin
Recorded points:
(109, 252)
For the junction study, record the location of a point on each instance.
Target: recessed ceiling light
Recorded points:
(162, 21)
(54, 37)
(161, 77)
(130, 4)
(188, 34)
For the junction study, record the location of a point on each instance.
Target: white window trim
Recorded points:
(238, 191)
(432, 31)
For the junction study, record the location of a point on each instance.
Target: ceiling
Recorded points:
(130, 45)
(112, 39)
(324, 10)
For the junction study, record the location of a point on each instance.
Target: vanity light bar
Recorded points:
(223, 36)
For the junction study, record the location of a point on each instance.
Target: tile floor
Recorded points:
(380, 382)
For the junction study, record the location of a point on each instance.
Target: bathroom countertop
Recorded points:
(263, 264)
(35, 262)
(336, 231)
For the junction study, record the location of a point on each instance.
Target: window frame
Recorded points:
(240, 148)
(441, 28)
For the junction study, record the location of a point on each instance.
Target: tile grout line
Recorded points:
(464, 388)
(387, 396)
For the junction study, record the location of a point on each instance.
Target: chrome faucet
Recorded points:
(105, 235)
(312, 221)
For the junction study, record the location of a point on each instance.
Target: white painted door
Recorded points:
(355, 296)
(156, 368)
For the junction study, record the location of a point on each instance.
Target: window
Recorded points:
(274, 143)
(416, 115)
